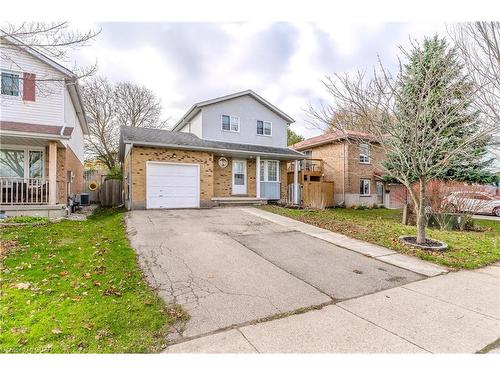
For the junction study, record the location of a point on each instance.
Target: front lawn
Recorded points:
(383, 227)
(75, 287)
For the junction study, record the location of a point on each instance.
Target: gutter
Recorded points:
(50, 137)
(212, 149)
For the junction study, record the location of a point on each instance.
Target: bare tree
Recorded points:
(420, 117)
(109, 106)
(138, 106)
(55, 40)
(100, 106)
(478, 44)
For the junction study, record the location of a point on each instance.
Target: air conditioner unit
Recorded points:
(83, 199)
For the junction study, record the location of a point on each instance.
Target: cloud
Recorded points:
(188, 62)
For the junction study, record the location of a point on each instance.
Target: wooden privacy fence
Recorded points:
(110, 193)
(94, 177)
(313, 194)
(317, 194)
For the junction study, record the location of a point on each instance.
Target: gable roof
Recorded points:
(197, 107)
(330, 137)
(189, 141)
(70, 77)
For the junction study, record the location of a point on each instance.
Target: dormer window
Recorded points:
(364, 153)
(230, 123)
(10, 84)
(264, 128)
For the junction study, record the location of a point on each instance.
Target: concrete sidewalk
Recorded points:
(454, 313)
(457, 312)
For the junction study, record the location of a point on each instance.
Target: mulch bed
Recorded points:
(429, 243)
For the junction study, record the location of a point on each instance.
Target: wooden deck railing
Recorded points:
(307, 165)
(24, 191)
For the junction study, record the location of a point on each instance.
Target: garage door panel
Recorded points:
(172, 180)
(172, 185)
(173, 190)
(172, 202)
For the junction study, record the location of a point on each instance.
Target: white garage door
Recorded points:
(171, 185)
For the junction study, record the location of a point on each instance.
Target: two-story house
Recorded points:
(225, 150)
(42, 124)
(352, 160)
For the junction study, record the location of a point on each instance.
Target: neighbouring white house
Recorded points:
(42, 125)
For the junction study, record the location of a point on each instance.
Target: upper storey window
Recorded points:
(230, 123)
(10, 84)
(264, 128)
(364, 153)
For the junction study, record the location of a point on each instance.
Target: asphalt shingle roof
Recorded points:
(160, 137)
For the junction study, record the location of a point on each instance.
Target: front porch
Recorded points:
(32, 177)
(248, 180)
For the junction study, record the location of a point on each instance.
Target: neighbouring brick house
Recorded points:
(231, 149)
(352, 161)
(42, 124)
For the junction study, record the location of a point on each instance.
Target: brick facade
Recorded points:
(341, 165)
(66, 161)
(140, 155)
(214, 180)
(223, 178)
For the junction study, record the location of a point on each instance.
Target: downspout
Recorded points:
(65, 109)
(129, 180)
(343, 178)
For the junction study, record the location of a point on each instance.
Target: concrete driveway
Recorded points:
(227, 267)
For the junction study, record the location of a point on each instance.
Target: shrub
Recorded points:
(115, 173)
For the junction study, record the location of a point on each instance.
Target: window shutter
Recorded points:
(29, 86)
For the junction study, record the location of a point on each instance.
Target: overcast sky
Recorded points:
(184, 63)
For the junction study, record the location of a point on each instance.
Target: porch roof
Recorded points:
(179, 140)
(24, 134)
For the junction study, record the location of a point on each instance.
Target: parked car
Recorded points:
(477, 202)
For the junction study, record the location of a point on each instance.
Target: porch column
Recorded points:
(296, 182)
(52, 172)
(257, 176)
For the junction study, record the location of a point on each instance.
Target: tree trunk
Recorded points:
(421, 219)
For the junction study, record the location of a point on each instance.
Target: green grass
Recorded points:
(25, 219)
(75, 287)
(469, 250)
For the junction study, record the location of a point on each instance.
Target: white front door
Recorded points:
(239, 177)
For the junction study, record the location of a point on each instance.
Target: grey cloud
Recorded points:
(270, 50)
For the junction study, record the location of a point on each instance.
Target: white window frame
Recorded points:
(230, 118)
(26, 164)
(20, 91)
(363, 156)
(369, 187)
(266, 170)
(264, 128)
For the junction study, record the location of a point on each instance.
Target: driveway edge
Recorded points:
(362, 247)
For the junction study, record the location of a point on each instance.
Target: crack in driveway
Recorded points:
(197, 259)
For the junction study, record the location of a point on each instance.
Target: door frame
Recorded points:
(377, 184)
(245, 178)
(166, 162)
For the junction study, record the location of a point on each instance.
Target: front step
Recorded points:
(238, 201)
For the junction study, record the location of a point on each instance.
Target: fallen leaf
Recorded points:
(86, 275)
(64, 273)
(23, 285)
(112, 291)
(56, 331)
